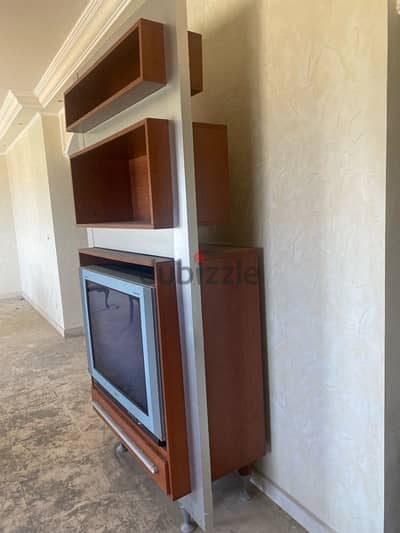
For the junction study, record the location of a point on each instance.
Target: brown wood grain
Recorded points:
(176, 451)
(154, 452)
(133, 68)
(172, 379)
(130, 70)
(234, 360)
(125, 180)
(212, 173)
(230, 289)
(97, 256)
(196, 62)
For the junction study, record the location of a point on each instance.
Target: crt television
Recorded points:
(122, 346)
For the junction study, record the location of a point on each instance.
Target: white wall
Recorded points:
(47, 239)
(34, 223)
(9, 269)
(302, 87)
(68, 237)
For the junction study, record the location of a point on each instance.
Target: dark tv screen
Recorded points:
(117, 343)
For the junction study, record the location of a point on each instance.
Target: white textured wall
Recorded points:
(34, 223)
(302, 86)
(68, 237)
(47, 236)
(9, 268)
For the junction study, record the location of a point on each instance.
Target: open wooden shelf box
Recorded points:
(125, 180)
(131, 70)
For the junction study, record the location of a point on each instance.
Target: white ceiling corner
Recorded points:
(93, 25)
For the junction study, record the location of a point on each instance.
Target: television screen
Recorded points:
(117, 343)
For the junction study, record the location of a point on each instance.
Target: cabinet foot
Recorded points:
(187, 526)
(120, 449)
(245, 474)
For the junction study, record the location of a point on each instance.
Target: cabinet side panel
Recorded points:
(152, 51)
(234, 360)
(212, 173)
(172, 380)
(160, 172)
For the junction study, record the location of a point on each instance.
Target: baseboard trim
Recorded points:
(293, 508)
(65, 333)
(10, 296)
(73, 332)
(60, 330)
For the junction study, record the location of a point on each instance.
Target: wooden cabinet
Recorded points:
(210, 143)
(230, 290)
(172, 461)
(196, 63)
(125, 180)
(132, 69)
(230, 286)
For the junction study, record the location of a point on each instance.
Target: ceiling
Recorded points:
(31, 32)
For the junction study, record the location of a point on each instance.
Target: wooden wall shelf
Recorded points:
(132, 69)
(125, 180)
(230, 286)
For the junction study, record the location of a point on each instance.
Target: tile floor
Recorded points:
(58, 469)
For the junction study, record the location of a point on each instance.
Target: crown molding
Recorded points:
(8, 112)
(94, 23)
(16, 112)
(84, 41)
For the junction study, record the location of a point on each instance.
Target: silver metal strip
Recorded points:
(128, 443)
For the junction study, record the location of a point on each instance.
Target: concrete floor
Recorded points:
(58, 469)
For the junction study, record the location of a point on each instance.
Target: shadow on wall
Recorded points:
(230, 96)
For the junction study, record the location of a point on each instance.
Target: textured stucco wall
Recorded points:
(302, 86)
(68, 237)
(47, 236)
(9, 269)
(34, 226)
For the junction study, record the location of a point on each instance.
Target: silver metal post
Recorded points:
(245, 495)
(187, 525)
(120, 449)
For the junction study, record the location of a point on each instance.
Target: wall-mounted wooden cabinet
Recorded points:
(131, 70)
(210, 143)
(125, 180)
(196, 63)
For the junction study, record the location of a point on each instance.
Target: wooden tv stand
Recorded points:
(230, 286)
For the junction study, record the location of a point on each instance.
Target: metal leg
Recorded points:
(245, 474)
(245, 495)
(120, 449)
(187, 526)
